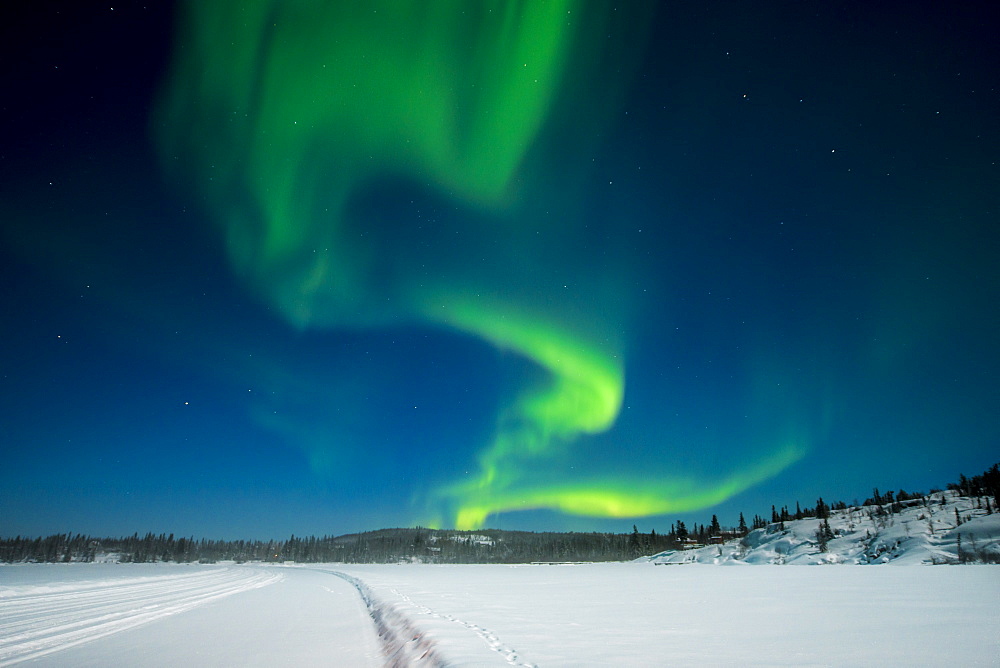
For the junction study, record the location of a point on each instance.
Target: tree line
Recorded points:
(383, 546)
(420, 544)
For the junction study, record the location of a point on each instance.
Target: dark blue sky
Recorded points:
(770, 228)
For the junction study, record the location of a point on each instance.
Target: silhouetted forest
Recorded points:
(486, 546)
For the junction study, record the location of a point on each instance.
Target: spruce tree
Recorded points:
(824, 534)
(633, 542)
(822, 510)
(682, 531)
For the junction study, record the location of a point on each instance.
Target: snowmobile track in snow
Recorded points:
(35, 621)
(403, 642)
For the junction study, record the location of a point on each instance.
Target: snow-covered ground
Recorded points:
(624, 614)
(638, 615)
(924, 531)
(673, 608)
(161, 614)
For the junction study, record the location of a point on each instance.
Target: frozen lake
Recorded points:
(568, 615)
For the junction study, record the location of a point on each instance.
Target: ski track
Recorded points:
(35, 621)
(405, 644)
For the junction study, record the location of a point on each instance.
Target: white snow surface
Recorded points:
(673, 608)
(637, 615)
(160, 614)
(619, 614)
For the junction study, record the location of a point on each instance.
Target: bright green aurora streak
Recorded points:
(281, 113)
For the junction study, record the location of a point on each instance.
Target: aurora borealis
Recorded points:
(284, 121)
(323, 267)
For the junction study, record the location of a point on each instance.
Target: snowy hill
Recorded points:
(919, 531)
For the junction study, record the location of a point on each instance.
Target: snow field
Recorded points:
(618, 614)
(644, 615)
(36, 620)
(277, 617)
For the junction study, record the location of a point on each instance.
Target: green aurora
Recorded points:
(285, 116)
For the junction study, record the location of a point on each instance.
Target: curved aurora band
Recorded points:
(282, 114)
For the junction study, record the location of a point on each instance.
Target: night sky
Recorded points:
(314, 268)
